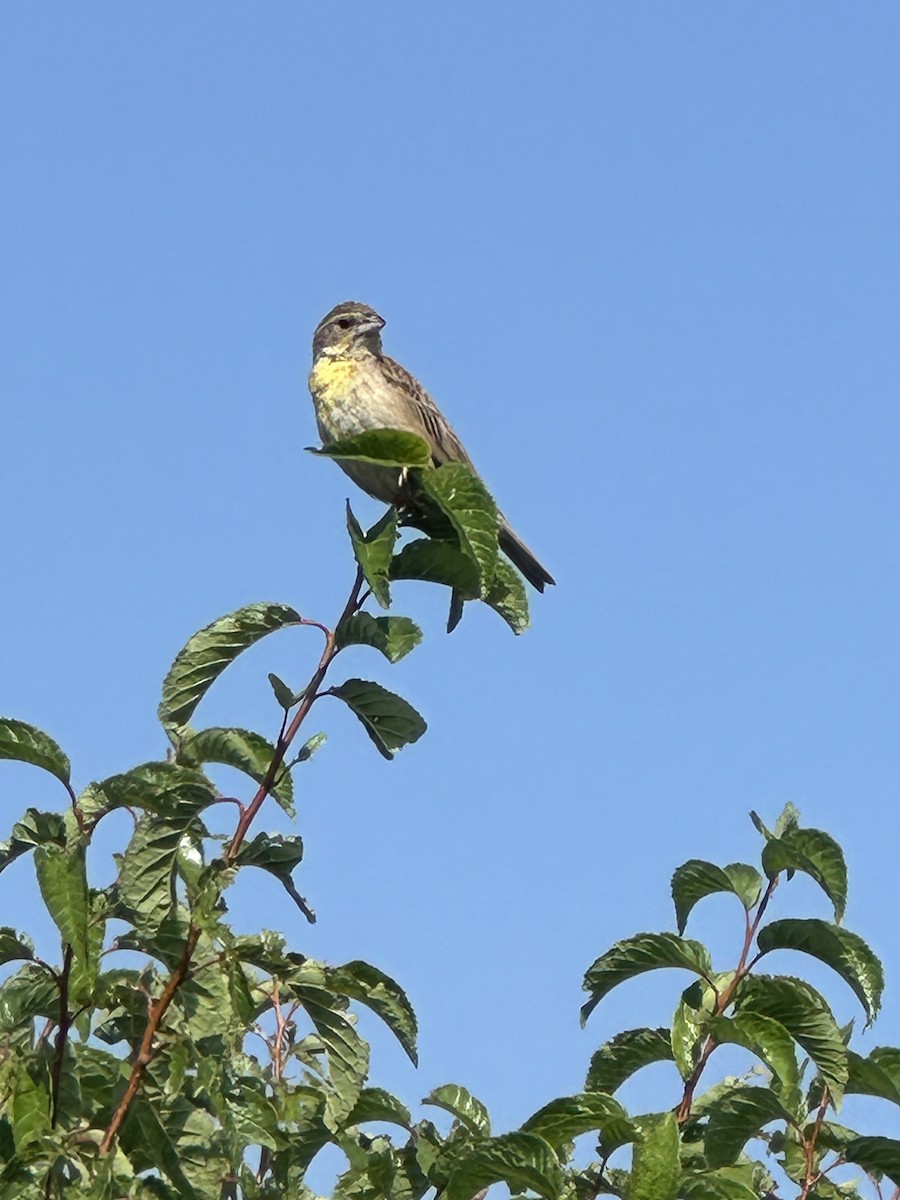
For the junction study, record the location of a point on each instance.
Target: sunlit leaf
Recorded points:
(635, 955)
(656, 1168)
(374, 552)
(814, 853)
(385, 447)
(619, 1058)
(393, 636)
(383, 995)
(520, 1160)
(245, 751)
(697, 878)
(28, 744)
(565, 1119)
(462, 1105)
(738, 1117)
(464, 499)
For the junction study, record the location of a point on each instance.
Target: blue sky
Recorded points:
(646, 258)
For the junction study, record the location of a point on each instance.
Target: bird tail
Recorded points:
(520, 556)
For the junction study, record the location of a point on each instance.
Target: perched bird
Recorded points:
(356, 387)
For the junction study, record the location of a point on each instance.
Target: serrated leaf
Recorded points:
(635, 955)
(814, 853)
(384, 447)
(689, 1026)
(29, 1105)
(245, 751)
(389, 720)
(374, 552)
(206, 655)
(460, 1103)
(520, 1160)
(310, 746)
(434, 560)
(393, 636)
(619, 1058)
(771, 1043)
(166, 789)
(878, 1155)
(464, 499)
(696, 878)
(806, 1016)
(656, 1167)
(562, 1120)
(723, 1184)
(30, 992)
(843, 951)
(736, 1118)
(348, 1054)
(28, 744)
(383, 995)
(506, 595)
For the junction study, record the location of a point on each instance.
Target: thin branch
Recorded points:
(62, 1034)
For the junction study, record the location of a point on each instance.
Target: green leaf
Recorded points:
(389, 721)
(365, 983)
(878, 1155)
(520, 1160)
(868, 1076)
(843, 951)
(62, 879)
(770, 1042)
(434, 560)
(29, 1106)
(14, 946)
(736, 1118)
(562, 1120)
(35, 829)
(279, 856)
(635, 955)
(656, 1168)
(147, 876)
(724, 1184)
(375, 1104)
(284, 696)
(348, 1054)
(245, 751)
(393, 636)
(464, 499)
(167, 789)
(208, 653)
(374, 552)
(806, 1016)
(461, 1104)
(697, 878)
(815, 854)
(28, 744)
(385, 447)
(507, 596)
(689, 1026)
(30, 992)
(619, 1058)
(310, 746)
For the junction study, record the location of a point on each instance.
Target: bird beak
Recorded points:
(372, 326)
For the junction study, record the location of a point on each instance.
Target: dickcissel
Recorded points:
(356, 387)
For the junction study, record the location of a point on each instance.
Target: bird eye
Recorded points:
(344, 323)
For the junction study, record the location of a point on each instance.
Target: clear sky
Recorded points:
(646, 258)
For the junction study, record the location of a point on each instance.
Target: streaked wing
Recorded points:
(446, 446)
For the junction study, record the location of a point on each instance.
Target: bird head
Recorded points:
(348, 328)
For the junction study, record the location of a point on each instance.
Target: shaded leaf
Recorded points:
(208, 653)
(375, 1104)
(28, 744)
(14, 945)
(35, 829)
(627, 1052)
(461, 1104)
(284, 696)
(697, 878)
(434, 560)
(727, 1183)
(843, 951)
(374, 552)
(878, 1155)
(393, 636)
(389, 720)
(464, 499)
(868, 1076)
(771, 1043)
(62, 878)
(147, 876)
(635, 955)
(278, 855)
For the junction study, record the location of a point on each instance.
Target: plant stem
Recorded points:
(62, 1034)
(160, 1006)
